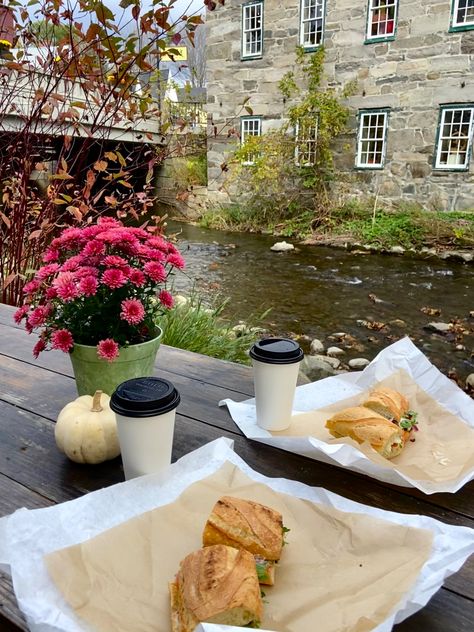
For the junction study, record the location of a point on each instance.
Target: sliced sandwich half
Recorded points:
(217, 584)
(363, 424)
(245, 524)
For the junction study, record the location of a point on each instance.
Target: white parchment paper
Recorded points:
(27, 535)
(402, 355)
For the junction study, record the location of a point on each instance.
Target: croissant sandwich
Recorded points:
(363, 424)
(216, 584)
(248, 525)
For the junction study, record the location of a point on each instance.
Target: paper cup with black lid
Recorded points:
(145, 408)
(276, 363)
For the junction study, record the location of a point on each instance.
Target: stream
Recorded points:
(317, 291)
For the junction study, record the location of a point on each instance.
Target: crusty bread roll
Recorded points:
(363, 424)
(248, 525)
(216, 584)
(387, 402)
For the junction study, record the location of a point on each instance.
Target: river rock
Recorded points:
(179, 299)
(439, 328)
(460, 348)
(339, 335)
(358, 363)
(317, 367)
(333, 352)
(335, 363)
(397, 322)
(316, 347)
(397, 250)
(470, 381)
(282, 246)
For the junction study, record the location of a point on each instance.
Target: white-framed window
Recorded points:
(312, 22)
(252, 30)
(372, 139)
(249, 126)
(306, 139)
(382, 19)
(462, 14)
(455, 132)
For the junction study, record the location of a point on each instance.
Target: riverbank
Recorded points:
(405, 230)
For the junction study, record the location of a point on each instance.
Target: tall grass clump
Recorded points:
(194, 326)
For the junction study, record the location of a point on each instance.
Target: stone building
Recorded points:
(412, 114)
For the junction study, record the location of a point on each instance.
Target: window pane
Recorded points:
(455, 137)
(312, 12)
(252, 30)
(464, 12)
(382, 16)
(371, 147)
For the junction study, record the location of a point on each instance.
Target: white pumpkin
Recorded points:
(86, 429)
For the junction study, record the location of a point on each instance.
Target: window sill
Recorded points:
(379, 39)
(461, 27)
(311, 49)
(369, 167)
(251, 57)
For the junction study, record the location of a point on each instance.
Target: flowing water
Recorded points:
(318, 291)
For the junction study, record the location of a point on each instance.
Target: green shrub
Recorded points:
(190, 171)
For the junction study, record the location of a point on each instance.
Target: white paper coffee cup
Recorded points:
(276, 363)
(145, 408)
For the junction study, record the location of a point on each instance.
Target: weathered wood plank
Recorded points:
(439, 615)
(11, 618)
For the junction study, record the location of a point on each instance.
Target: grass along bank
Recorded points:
(195, 326)
(407, 226)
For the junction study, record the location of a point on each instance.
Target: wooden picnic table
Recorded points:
(33, 473)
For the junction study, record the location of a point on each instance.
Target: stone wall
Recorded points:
(423, 67)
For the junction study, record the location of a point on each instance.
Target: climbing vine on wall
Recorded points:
(267, 173)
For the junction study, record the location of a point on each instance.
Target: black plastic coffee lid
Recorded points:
(144, 397)
(277, 351)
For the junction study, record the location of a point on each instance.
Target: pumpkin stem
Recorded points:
(96, 407)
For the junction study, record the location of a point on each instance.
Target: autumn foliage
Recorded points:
(81, 130)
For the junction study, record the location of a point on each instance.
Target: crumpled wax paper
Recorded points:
(27, 535)
(435, 390)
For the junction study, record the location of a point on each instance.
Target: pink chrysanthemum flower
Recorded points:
(31, 287)
(166, 299)
(38, 316)
(114, 261)
(114, 278)
(66, 286)
(94, 247)
(132, 311)
(20, 313)
(152, 254)
(157, 242)
(137, 277)
(155, 271)
(51, 255)
(176, 260)
(108, 350)
(85, 271)
(72, 263)
(107, 221)
(51, 293)
(62, 340)
(88, 285)
(46, 271)
(39, 347)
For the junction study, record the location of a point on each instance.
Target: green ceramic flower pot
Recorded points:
(92, 373)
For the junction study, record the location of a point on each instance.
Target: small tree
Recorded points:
(79, 119)
(286, 177)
